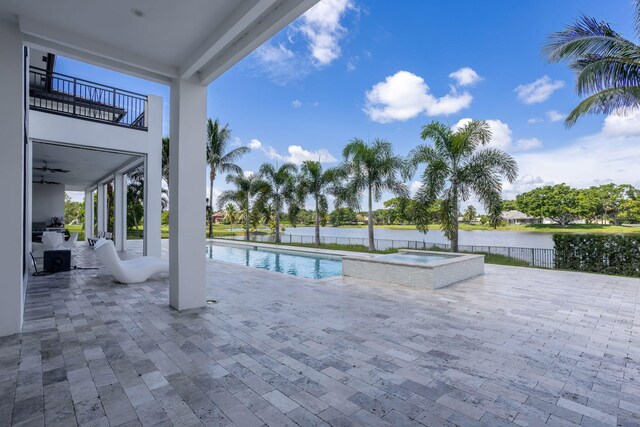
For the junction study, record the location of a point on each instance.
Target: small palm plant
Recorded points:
(280, 181)
(218, 159)
(318, 183)
(230, 213)
(607, 65)
(373, 169)
(457, 166)
(247, 190)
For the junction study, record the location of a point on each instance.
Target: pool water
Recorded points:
(301, 265)
(404, 257)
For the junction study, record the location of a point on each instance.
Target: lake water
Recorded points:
(477, 237)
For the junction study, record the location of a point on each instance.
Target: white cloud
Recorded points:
(216, 194)
(465, 76)
(351, 66)
(528, 144)
(555, 116)
(535, 120)
(246, 174)
(588, 161)
(295, 153)
(621, 125)
(237, 142)
(500, 133)
(279, 63)
(321, 26)
(538, 91)
(321, 32)
(296, 103)
(522, 184)
(501, 136)
(270, 53)
(255, 144)
(414, 187)
(406, 95)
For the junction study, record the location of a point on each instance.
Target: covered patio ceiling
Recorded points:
(86, 166)
(155, 39)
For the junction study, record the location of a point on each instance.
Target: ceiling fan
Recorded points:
(46, 168)
(42, 181)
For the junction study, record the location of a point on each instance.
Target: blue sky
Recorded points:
(383, 69)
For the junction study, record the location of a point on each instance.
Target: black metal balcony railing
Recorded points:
(70, 96)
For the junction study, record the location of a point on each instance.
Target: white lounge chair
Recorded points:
(71, 243)
(52, 240)
(130, 271)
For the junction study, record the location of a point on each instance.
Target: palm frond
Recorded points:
(636, 16)
(586, 37)
(489, 159)
(606, 101)
(234, 155)
(438, 132)
(600, 73)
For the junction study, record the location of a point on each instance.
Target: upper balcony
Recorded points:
(57, 93)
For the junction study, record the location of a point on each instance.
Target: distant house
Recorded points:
(519, 218)
(217, 217)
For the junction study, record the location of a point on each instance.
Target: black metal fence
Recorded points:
(70, 96)
(534, 257)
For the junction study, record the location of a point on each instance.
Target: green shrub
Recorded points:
(617, 254)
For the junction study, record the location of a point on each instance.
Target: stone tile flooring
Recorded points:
(517, 346)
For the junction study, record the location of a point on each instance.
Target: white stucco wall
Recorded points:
(69, 130)
(12, 285)
(48, 201)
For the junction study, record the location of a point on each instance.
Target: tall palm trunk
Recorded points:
(454, 225)
(317, 242)
(212, 177)
(246, 222)
(277, 225)
(372, 246)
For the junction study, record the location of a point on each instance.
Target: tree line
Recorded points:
(608, 204)
(456, 164)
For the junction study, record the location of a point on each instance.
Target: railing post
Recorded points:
(533, 257)
(75, 83)
(113, 105)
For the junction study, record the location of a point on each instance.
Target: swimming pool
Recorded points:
(311, 266)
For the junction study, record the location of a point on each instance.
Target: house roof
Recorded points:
(219, 214)
(515, 215)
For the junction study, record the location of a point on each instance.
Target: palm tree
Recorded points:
(317, 183)
(165, 160)
(374, 169)
(218, 159)
(607, 65)
(281, 188)
(456, 167)
(230, 213)
(247, 189)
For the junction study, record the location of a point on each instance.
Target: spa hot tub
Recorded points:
(421, 269)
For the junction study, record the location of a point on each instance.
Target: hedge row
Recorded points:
(598, 253)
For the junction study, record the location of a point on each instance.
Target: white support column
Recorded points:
(88, 214)
(101, 216)
(120, 211)
(187, 278)
(152, 244)
(12, 216)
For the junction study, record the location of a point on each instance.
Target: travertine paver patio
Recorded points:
(517, 346)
